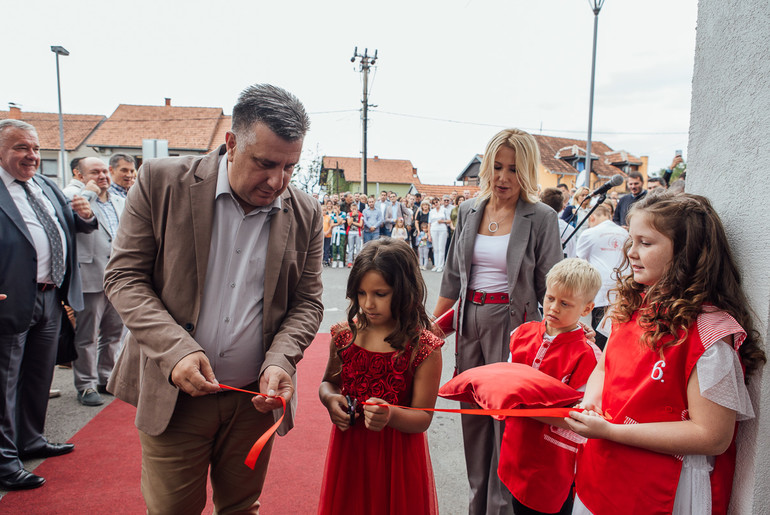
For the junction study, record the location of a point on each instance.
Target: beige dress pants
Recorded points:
(215, 430)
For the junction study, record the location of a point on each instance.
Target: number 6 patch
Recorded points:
(657, 371)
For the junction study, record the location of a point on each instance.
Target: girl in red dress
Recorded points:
(383, 357)
(670, 381)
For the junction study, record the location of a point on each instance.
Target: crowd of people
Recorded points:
(353, 219)
(200, 272)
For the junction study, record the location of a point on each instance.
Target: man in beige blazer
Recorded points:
(216, 271)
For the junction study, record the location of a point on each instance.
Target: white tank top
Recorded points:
(489, 268)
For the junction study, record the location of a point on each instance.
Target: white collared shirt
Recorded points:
(230, 321)
(39, 237)
(602, 246)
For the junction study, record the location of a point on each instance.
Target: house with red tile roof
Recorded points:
(439, 190)
(188, 130)
(564, 158)
(340, 174)
(77, 129)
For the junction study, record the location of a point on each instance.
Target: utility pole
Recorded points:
(366, 62)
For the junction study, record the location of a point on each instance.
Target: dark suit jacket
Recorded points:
(157, 272)
(18, 259)
(624, 206)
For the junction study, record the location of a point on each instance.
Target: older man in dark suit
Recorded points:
(39, 272)
(216, 271)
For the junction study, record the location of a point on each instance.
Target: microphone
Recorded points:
(616, 180)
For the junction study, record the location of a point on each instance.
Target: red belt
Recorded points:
(480, 297)
(45, 286)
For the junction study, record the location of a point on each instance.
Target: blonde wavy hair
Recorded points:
(581, 190)
(527, 163)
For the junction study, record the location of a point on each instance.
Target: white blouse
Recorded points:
(434, 217)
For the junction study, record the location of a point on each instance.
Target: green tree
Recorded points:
(676, 172)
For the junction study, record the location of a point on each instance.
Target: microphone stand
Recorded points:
(599, 200)
(572, 217)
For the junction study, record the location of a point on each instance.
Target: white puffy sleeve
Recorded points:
(719, 368)
(721, 379)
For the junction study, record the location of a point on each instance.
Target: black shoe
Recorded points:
(102, 389)
(49, 450)
(21, 480)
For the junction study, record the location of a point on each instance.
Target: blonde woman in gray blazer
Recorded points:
(507, 239)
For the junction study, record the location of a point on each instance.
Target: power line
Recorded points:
(337, 111)
(533, 129)
(538, 130)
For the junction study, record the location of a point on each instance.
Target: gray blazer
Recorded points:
(534, 247)
(94, 249)
(387, 218)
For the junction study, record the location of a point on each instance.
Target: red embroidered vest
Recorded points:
(642, 386)
(537, 461)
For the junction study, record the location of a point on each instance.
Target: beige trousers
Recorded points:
(215, 430)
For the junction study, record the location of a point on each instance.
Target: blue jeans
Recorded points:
(371, 235)
(327, 250)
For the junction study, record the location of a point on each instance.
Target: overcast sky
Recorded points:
(449, 73)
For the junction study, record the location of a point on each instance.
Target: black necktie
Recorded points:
(52, 232)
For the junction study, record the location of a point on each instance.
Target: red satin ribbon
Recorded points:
(510, 412)
(256, 449)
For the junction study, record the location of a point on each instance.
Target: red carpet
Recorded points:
(102, 475)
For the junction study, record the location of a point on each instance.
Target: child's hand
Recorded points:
(589, 407)
(376, 417)
(589, 424)
(338, 412)
(589, 332)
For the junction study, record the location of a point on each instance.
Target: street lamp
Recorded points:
(596, 6)
(60, 50)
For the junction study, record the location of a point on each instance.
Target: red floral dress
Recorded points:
(378, 472)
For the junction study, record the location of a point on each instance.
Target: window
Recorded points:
(49, 167)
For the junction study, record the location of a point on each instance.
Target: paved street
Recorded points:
(66, 416)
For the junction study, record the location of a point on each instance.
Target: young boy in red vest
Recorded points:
(537, 459)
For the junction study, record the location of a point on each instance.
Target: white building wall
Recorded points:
(729, 162)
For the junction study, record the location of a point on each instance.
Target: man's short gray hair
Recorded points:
(281, 111)
(116, 158)
(15, 124)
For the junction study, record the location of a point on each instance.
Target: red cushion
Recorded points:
(509, 385)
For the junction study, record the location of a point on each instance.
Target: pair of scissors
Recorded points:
(352, 405)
